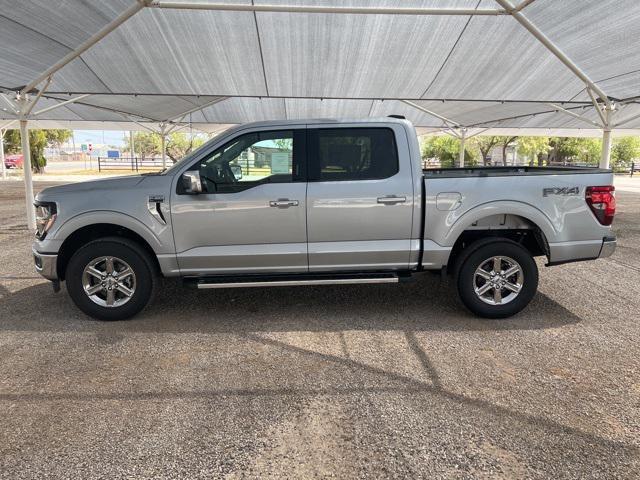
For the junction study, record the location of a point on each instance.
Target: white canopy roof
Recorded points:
(533, 64)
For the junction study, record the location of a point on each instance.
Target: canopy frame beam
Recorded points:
(448, 121)
(596, 105)
(523, 4)
(325, 9)
(558, 108)
(10, 104)
(181, 116)
(627, 120)
(553, 48)
(87, 44)
(61, 104)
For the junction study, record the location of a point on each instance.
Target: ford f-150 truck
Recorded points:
(318, 202)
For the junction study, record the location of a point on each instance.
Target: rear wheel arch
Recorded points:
(516, 228)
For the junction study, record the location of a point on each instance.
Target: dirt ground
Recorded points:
(388, 381)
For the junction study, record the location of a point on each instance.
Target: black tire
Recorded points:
(474, 256)
(128, 251)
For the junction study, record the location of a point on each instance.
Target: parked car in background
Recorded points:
(13, 161)
(322, 202)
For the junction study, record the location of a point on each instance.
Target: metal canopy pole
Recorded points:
(164, 150)
(606, 148)
(163, 142)
(26, 105)
(463, 136)
(26, 167)
(4, 168)
(133, 150)
(606, 138)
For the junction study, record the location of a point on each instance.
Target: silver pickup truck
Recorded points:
(319, 202)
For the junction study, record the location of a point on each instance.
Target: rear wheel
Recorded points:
(496, 278)
(110, 279)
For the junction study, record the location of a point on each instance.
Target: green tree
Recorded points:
(447, 150)
(505, 142)
(145, 144)
(149, 144)
(533, 148)
(624, 151)
(485, 144)
(55, 138)
(284, 143)
(575, 150)
(38, 141)
(179, 145)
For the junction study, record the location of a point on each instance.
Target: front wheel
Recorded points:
(110, 278)
(497, 278)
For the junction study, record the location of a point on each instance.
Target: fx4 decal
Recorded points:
(560, 191)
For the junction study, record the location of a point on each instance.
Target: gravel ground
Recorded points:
(389, 381)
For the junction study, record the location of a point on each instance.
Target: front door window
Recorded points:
(249, 160)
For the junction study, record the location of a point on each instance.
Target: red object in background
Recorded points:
(13, 161)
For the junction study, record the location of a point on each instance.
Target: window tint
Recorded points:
(249, 160)
(353, 154)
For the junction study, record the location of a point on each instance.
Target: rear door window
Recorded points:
(343, 154)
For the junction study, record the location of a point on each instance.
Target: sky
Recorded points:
(96, 136)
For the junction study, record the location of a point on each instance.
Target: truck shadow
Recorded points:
(409, 309)
(426, 304)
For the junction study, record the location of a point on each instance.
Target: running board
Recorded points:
(292, 281)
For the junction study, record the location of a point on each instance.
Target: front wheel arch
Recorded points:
(129, 253)
(96, 231)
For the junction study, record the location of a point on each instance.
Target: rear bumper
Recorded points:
(46, 264)
(566, 252)
(608, 247)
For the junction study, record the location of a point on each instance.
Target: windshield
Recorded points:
(192, 154)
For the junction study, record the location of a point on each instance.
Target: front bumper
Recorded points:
(46, 264)
(608, 247)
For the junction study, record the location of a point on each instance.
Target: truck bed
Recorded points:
(550, 200)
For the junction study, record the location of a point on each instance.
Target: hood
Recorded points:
(90, 187)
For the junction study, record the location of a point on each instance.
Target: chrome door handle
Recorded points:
(283, 203)
(391, 199)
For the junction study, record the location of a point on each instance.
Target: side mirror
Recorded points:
(237, 171)
(191, 182)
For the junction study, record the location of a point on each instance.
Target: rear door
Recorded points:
(360, 198)
(251, 217)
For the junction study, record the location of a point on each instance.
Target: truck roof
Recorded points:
(312, 121)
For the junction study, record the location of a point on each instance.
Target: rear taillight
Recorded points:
(602, 202)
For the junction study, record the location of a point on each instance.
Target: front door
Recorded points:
(251, 216)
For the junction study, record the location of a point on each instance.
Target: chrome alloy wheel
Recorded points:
(498, 280)
(109, 281)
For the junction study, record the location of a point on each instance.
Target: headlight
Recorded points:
(45, 217)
